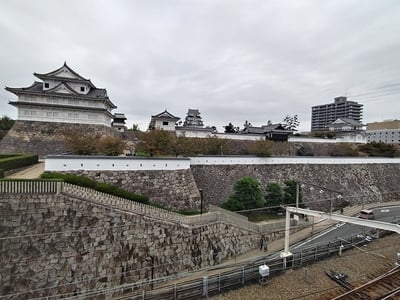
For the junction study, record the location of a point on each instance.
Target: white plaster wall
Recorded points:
(63, 116)
(257, 137)
(159, 125)
(252, 160)
(230, 136)
(99, 163)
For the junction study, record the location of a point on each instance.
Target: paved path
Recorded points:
(31, 172)
(275, 246)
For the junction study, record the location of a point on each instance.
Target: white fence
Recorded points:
(121, 203)
(30, 187)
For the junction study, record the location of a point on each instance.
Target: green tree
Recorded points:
(182, 145)
(291, 122)
(81, 143)
(110, 145)
(156, 142)
(6, 123)
(212, 145)
(274, 196)
(290, 191)
(230, 128)
(247, 195)
(135, 127)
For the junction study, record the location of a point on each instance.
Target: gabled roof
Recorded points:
(36, 87)
(62, 88)
(278, 126)
(165, 115)
(64, 73)
(264, 129)
(347, 121)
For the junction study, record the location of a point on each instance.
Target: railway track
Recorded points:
(385, 286)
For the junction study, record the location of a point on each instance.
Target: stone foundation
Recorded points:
(54, 245)
(360, 183)
(44, 138)
(173, 189)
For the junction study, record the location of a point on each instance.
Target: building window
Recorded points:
(165, 123)
(82, 88)
(46, 85)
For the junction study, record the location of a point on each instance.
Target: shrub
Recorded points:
(305, 150)
(11, 162)
(342, 149)
(101, 187)
(263, 148)
(379, 149)
(1, 173)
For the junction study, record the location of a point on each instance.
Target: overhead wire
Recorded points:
(126, 286)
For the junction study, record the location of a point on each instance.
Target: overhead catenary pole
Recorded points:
(334, 217)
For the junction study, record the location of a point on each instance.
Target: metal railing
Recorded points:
(243, 273)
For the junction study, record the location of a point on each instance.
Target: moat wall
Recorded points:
(175, 189)
(58, 244)
(358, 183)
(358, 180)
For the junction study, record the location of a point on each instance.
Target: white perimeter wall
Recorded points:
(257, 137)
(100, 163)
(253, 160)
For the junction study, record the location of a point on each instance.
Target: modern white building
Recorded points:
(63, 96)
(386, 132)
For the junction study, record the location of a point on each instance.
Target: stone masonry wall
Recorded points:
(359, 182)
(52, 245)
(44, 138)
(175, 189)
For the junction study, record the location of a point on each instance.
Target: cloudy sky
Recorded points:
(234, 60)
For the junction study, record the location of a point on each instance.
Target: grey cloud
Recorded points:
(233, 60)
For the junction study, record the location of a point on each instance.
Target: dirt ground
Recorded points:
(311, 282)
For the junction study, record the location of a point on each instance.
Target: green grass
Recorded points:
(260, 216)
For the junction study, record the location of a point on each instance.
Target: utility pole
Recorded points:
(201, 201)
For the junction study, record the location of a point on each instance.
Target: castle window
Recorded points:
(82, 88)
(165, 123)
(46, 85)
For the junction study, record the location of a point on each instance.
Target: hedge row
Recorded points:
(101, 187)
(12, 161)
